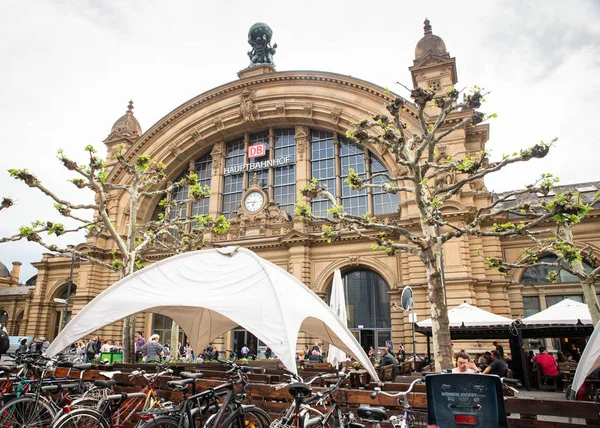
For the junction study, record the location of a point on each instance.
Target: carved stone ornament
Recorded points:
(354, 260)
(280, 108)
(301, 137)
(218, 122)
(248, 110)
(335, 115)
(400, 171)
(195, 134)
(176, 151)
(308, 109)
(217, 158)
(477, 184)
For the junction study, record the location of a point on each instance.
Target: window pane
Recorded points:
(367, 300)
(284, 188)
(531, 305)
(539, 274)
(352, 156)
(234, 184)
(383, 203)
(203, 169)
(323, 168)
(553, 300)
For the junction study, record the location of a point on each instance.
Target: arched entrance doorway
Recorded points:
(62, 311)
(368, 307)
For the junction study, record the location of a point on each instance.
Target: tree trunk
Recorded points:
(129, 340)
(589, 294)
(174, 339)
(440, 324)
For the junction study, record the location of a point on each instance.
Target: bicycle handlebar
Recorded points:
(398, 394)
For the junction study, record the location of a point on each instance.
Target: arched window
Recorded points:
(203, 169)
(539, 274)
(281, 177)
(329, 161)
(368, 307)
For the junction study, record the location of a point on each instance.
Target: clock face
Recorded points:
(254, 201)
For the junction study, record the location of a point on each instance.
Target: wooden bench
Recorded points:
(545, 383)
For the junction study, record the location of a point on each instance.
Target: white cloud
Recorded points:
(70, 67)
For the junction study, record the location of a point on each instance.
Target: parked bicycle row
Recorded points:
(31, 396)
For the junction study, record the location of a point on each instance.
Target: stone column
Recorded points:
(216, 182)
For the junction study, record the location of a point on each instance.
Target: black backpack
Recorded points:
(4, 341)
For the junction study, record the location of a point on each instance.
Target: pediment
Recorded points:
(295, 236)
(432, 60)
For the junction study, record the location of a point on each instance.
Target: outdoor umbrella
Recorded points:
(338, 305)
(590, 361)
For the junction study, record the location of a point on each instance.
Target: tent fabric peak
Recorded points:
(209, 292)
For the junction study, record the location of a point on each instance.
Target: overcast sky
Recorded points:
(70, 67)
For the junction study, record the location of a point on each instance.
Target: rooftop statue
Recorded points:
(259, 37)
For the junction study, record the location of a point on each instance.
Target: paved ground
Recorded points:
(547, 395)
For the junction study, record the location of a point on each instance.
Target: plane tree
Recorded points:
(422, 174)
(132, 242)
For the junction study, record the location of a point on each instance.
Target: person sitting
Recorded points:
(387, 359)
(498, 366)
(463, 365)
(547, 364)
(315, 357)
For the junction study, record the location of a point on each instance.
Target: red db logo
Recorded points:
(256, 150)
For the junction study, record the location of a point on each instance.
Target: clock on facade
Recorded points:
(254, 201)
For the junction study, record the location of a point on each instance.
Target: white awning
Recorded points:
(470, 316)
(208, 293)
(590, 361)
(565, 312)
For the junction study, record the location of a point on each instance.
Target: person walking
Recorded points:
(499, 348)
(90, 349)
(153, 350)
(139, 342)
(245, 351)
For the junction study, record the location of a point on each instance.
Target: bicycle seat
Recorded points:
(5, 369)
(64, 364)
(372, 413)
(190, 375)
(86, 366)
(105, 383)
(179, 384)
(299, 390)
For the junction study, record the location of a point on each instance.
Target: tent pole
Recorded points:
(428, 349)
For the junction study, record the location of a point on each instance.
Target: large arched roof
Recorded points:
(313, 98)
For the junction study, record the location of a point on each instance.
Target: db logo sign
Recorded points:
(256, 151)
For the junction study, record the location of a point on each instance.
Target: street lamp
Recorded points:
(67, 300)
(437, 215)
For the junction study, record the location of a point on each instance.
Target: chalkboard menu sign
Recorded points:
(463, 400)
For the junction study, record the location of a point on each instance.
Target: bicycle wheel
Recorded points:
(81, 418)
(26, 412)
(248, 418)
(160, 422)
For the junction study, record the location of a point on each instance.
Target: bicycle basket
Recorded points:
(415, 419)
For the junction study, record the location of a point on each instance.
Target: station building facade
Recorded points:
(254, 142)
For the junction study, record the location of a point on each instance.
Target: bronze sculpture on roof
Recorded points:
(259, 37)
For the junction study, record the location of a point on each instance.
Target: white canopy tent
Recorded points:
(208, 293)
(470, 316)
(590, 361)
(565, 312)
(336, 356)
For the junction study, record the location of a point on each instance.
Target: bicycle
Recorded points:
(101, 397)
(104, 416)
(302, 415)
(194, 409)
(410, 418)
